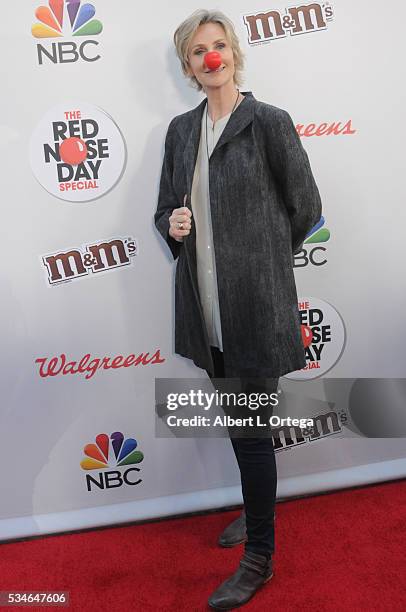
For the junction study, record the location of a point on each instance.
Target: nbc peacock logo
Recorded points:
(312, 251)
(53, 20)
(112, 451)
(65, 19)
(318, 233)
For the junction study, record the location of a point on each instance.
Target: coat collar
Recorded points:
(240, 118)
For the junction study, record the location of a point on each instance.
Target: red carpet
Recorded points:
(342, 551)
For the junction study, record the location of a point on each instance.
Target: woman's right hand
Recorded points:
(180, 223)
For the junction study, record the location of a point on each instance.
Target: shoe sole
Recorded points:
(232, 545)
(247, 600)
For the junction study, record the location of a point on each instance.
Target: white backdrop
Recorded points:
(342, 70)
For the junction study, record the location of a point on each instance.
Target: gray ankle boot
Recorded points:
(253, 572)
(235, 533)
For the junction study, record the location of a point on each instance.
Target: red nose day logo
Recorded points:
(77, 152)
(323, 336)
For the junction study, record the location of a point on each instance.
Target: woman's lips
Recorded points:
(217, 70)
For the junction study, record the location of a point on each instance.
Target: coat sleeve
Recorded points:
(167, 199)
(294, 176)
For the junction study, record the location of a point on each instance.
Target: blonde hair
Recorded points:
(185, 32)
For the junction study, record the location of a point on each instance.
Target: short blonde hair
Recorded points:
(185, 32)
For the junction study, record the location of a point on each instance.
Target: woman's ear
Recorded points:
(188, 69)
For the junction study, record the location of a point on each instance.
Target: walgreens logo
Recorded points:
(101, 256)
(325, 129)
(112, 451)
(266, 26)
(55, 366)
(66, 19)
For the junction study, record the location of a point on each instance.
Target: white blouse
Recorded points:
(206, 262)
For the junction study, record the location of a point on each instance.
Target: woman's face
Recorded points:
(210, 37)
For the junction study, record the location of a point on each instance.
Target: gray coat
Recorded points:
(263, 201)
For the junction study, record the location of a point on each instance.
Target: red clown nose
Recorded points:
(212, 60)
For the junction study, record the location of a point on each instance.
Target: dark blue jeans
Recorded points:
(256, 460)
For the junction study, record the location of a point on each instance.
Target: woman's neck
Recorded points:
(222, 100)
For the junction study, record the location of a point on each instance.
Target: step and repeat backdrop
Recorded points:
(88, 90)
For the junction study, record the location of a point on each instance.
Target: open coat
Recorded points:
(263, 201)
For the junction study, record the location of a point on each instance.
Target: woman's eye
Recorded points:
(219, 46)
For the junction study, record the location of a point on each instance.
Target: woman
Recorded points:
(237, 198)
